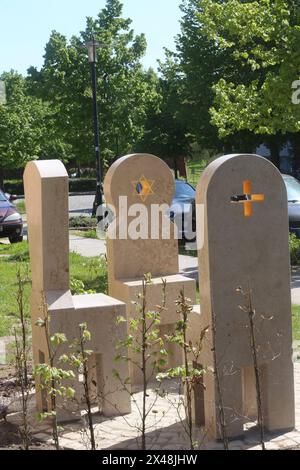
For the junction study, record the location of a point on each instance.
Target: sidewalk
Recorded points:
(165, 431)
(87, 246)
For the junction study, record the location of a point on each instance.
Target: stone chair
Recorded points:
(245, 245)
(46, 192)
(145, 180)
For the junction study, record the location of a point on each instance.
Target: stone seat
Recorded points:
(143, 185)
(46, 185)
(100, 313)
(129, 289)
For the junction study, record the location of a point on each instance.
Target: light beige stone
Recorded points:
(129, 259)
(246, 244)
(7, 344)
(46, 192)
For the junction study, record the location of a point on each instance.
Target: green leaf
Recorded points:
(58, 339)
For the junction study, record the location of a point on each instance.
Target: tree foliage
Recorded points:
(22, 123)
(262, 38)
(165, 133)
(124, 90)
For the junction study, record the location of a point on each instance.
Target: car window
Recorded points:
(293, 189)
(2, 196)
(184, 189)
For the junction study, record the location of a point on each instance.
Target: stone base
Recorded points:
(128, 291)
(100, 313)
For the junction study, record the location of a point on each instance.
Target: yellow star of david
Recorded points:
(143, 188)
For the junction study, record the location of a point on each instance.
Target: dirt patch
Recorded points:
(10, 438)
(6, 372)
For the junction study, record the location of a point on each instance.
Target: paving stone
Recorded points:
(164, 434)
(286, 443)
(213, 446)
(236, 445)
(291, 435)
(43, 437)
(271, 446)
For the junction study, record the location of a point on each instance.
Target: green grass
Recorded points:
(14, 252)
(16, 255)
(296, 322)
(194, 171)
(21, 207)
(91, 271)
(86, 234)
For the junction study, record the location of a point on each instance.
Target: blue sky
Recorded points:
(26, 25)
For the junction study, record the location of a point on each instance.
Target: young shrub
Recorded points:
(51, 377)
(146, 351)
(22, 358)
(249, 310)
(79, 359)
(190, 374)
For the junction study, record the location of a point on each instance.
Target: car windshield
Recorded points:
(2, 196)
(184, 189)
(293, 189)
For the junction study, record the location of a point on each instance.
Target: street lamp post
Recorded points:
(92, 47)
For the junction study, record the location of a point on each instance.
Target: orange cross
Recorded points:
(247, 199)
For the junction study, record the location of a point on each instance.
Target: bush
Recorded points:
(82, 222)
(21, 206)
(79, 185)
(14, 187)
(77, 287)
(76, 185)
(294, 249)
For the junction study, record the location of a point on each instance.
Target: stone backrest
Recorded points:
(246, 246)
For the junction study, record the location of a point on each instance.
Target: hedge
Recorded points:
(82, 222)
(76, 185)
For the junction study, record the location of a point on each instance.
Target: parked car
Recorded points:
(11, 224)
(182, 210)
(293, 193)
(183, 206)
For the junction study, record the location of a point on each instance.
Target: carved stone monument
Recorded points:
(143, 240)
(46, 191)
(246, 247)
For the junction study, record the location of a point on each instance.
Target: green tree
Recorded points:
(165, 134)
(22, 121)
(202, 63)
(124, 91)
(262, 40)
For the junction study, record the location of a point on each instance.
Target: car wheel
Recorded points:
(17, 239)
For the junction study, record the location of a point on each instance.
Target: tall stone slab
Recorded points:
(246, 245)
(145, 180)
(46, 192)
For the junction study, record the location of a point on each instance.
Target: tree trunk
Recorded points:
(78, 170)
(275, 151)
(175, 168)
(227, 149)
